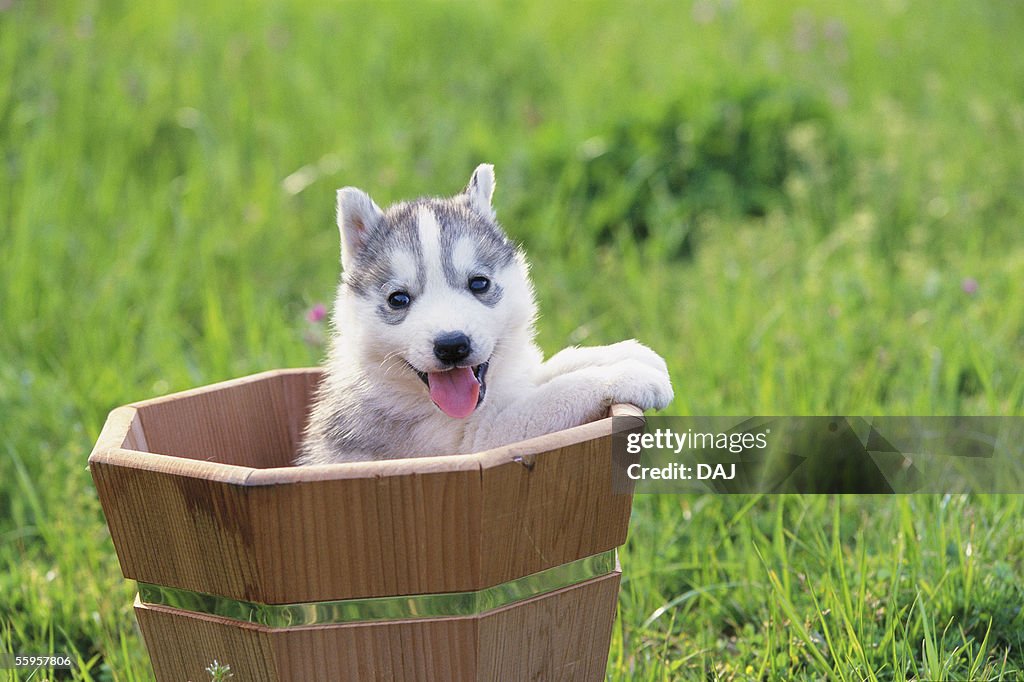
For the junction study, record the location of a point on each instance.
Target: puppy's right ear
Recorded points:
(481, 188)
(358, 215)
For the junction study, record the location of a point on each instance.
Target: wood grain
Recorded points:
(199, 494)
(563, 635)
(204, 516)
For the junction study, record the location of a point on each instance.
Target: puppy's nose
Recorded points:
(452, 347)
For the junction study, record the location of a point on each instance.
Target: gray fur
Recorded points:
(358, 218)
(371, 238)
(371, 267)
(337, 432)
(372, 403)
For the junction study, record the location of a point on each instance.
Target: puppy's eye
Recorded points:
(399, 299)
(479, 285)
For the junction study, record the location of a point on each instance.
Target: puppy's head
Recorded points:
(432, 288)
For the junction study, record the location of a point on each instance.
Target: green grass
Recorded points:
(166, 191)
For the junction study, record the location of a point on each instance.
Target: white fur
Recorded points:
(481, 189)
(464, 255)
(430, 243)
(405, 270)
(371, 393)
(357, 214)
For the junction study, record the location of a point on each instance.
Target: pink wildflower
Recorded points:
(317, 313)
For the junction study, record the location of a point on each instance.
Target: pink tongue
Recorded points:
(454, 391)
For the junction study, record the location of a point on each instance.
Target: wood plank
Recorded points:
(550, 509)
(292, 534)
(179, 530)
(563, 635)
(242, 422)
(349, 538)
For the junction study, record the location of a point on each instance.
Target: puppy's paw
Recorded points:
(634, 350)
(637, 383)
(575, 358)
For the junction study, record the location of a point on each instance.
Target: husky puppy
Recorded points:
(432, 350)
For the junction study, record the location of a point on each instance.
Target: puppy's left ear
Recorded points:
(358, 216)
(481, 188)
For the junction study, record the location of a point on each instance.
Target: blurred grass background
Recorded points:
(805, 208)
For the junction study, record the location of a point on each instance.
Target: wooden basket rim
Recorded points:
(110, 447)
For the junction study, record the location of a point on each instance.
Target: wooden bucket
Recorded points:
(493, 566)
